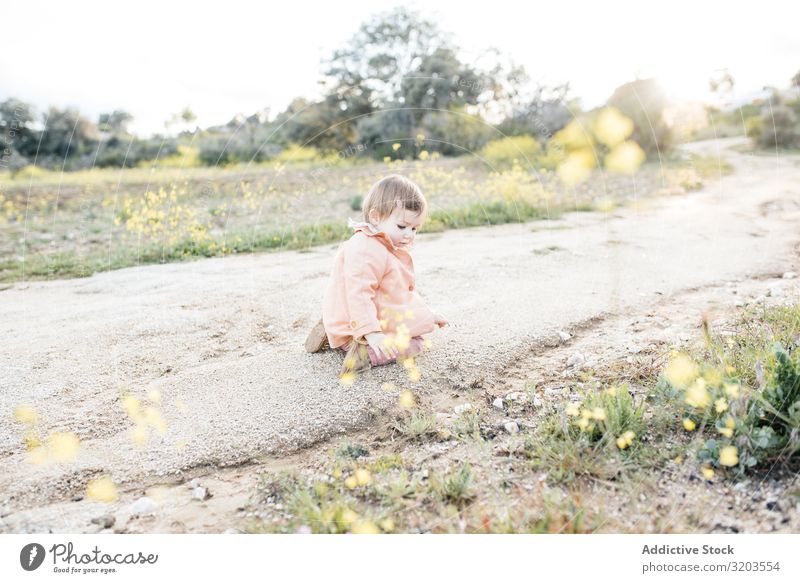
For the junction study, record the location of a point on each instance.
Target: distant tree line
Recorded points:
(399, 79)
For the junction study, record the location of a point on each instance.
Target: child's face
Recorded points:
(401, 226)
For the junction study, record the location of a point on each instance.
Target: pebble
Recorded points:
(517, 397)
(576, 359)
(564, 336)
(194, 483)
(201, 493)
(511, 427)
(106, 521)
(789, 275)
(459, 409)
(143, 505)
(498, 403)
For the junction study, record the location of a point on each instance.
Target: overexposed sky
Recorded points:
(154, 58)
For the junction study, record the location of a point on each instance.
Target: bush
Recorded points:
(503, 153)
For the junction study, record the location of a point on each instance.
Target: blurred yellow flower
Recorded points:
(625, 158)
(599, 413)
(350, 482)
(387, 525)
(63, 447)
(414, 375)
(154, 396)
(697, 395)
(720, 405)
(732, 390)
(708, 473)
(625, 440)
(612, 127)
(726, 431)
(139, 434)
(348, 516)
(576, 167)
(363, 477)
(728, 455)
(688, 425)
(573, 410)
(406, 399)
(25, 414)
(365, 527)
(681, 370)
(347, 379)
(396, 146)
(713, 377)
(102, 490)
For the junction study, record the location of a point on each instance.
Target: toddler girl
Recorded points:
(371, 307)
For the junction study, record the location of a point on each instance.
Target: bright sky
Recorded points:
(154, 58)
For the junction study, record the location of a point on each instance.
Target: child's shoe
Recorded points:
(357, 359)
(317, 339)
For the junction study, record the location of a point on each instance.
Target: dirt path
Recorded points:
(221, 339)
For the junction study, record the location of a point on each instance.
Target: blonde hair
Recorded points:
(394, 191)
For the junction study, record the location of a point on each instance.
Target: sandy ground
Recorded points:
(221, 339)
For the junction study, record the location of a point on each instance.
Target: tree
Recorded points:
(66, 133)
(16, 126)
(115, 123)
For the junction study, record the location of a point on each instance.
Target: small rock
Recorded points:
(537, 402)
(194, 483)
(511, 427)
(459, 409)
(230, 531)
(106, 521)
(517, 397)
(739, 303)
(77, 497)
(576, 359)
(564, 336)
(789, 275)
(498, 403)
(201, 493)
(143, 505)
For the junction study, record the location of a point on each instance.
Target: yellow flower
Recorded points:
(337, 473)
(102, 490)
(406, 399)
(347, 379)
(348, 516)
(63, 446)
(730, 422)
(720, 405)
(573, 410)
(728, 456)
(363, 477)
(154, 396)
(625, 158)
(678, 460)
(387, 524)
(708, 473)
(612, 127)
(726, 431)
(350, 482)
(131, 405)
(365, 527)
(414, 375)
(396, 146)
(688, 425)
(713, 377)
(25, 414)
(139, 434)
(387, 159)
(697, 395)
(681, 370)
(583, 423)
(576, 167)
(732, 389)
(611, 391)
(598, 413)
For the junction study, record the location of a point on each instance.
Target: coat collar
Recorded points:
(369, 230)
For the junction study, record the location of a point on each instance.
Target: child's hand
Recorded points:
(439, 320)
(378, 342)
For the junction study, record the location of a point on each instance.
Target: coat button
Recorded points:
(411, 288)
(353, 324)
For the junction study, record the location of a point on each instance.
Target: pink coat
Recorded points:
(372, 288)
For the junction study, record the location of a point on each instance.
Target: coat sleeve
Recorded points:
(363, 268)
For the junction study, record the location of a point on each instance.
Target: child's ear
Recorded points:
(373, 217)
